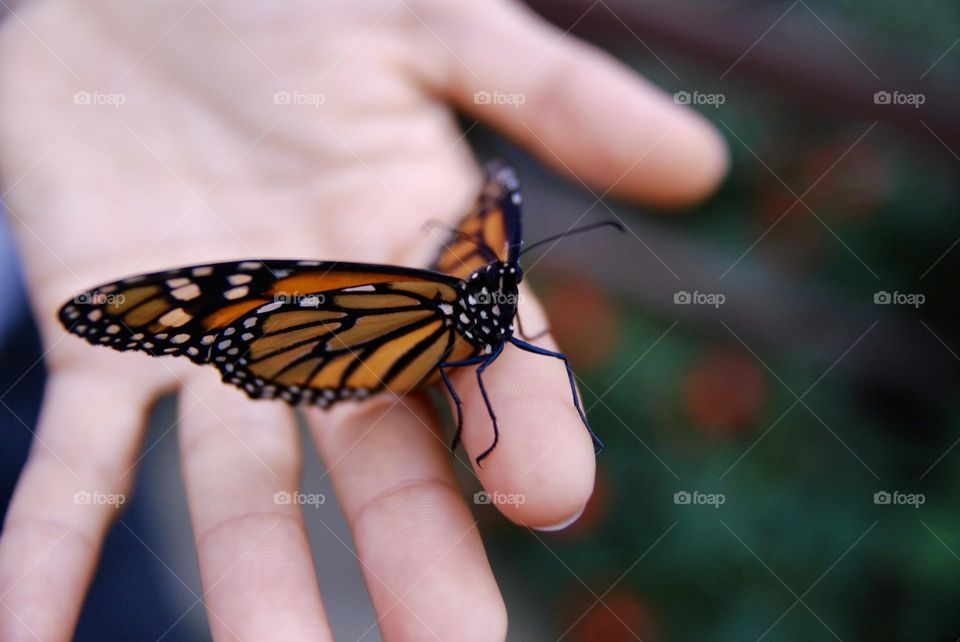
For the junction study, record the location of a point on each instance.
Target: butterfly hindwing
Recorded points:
(491, 231)
(347, 343)
(183, 311)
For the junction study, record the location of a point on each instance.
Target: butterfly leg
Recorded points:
(486, 400)
(453, 393)
(523, 334)
(523, 345)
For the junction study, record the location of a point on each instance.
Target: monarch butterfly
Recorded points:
(318, 332)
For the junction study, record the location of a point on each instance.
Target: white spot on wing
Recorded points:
(175, 318)
(187, 292)
(270, 307)
(236, 293)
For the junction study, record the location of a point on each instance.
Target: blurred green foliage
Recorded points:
(799, 550)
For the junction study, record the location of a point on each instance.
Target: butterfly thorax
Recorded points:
(487, 304)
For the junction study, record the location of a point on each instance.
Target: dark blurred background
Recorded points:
(773, 373)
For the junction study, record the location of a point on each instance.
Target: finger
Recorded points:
(579, 109)
(255, 561)
(416, 541)
(541, 472)
(75, 479)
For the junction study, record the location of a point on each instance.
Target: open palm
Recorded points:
(145, 136)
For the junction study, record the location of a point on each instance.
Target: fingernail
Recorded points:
(562, 525)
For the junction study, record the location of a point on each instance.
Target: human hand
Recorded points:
(200, 163)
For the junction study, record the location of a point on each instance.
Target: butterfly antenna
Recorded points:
(576, 230)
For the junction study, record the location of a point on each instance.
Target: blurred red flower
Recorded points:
(725, 391)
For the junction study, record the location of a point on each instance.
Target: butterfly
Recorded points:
(315, 332)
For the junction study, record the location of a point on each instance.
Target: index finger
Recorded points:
(580, 110)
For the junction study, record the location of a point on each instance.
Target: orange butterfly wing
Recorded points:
(181, 312)
(491, 231)
(348, 343)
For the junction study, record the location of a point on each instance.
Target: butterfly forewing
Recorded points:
(491, 231)
(183, 311)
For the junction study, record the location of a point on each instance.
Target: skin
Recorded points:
(199, 164)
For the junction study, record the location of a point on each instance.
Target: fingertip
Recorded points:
(555, 485)
(541, 473)
(701, 158)
(563, 524)
(656, 151)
